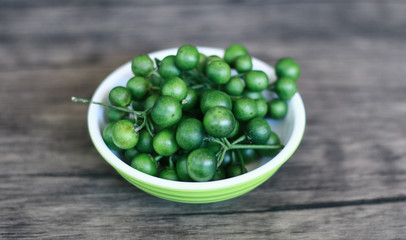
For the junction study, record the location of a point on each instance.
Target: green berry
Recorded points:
(114, 115)
(214, 98)
(144, 144)
(244, 109)
(142, 65)
(145, 163)
(219, 175)
(123, 134)
(272, 140)
(168, 174)
(164, 142)
(235, 86)
(168, 69)
(166, 111)
(233, 51)
(181, 169)
(190, 134)
(287, 67)
(129, 154)
(258, 130)
(219, 122)
(201, 164)
(285, 88)
(120, 96)
(235, 170)
(175, 87)
(256, 81)
(150, 101)
(218, 72)
(108, 137)
(243, 63)
(277, 109)
(187, 57)
(138, 87)
(191, 99)
(262, 107)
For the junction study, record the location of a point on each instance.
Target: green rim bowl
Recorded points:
(290, 129)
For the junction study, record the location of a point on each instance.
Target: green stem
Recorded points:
(219, 142)
(152, 87)
(82, 100)
(253, 146)
(220, 160)
(225, 140)
(241, 75)
(235, 97)
(191, 80)
(201, 77)
(240, 156)
(233, 157)
(240, 139)
(138, 128)
(171, 166)
(198, 86)
(157, 158)
(222, 140)
(157, 62)
(242, 164)
(155, 74)
(149, 128)
(195, 73)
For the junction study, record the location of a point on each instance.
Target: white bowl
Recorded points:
(290, 130)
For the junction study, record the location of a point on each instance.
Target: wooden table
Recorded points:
(346, 181)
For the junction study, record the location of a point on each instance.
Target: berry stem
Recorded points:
(144, 122)
(242, 164)
(240, 139)
(221, 158)
(198, 86)
(82, 100)
(253, 146)
(152, 87)
(157, 62)
(171, 166)
(241, 75)
(235, 97)
(201, 77)
(149, 128)
(218, 141)
(155, 74)
(225, 140)
(233, 157)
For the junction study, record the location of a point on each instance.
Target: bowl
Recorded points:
(290, 130)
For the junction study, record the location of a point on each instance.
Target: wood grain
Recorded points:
(346, 181)
(73, 34)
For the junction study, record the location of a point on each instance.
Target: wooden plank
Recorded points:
(57, 220)
(75, 35)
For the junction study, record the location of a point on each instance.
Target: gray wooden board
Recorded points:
(50, 35)
(51, 221)
(346, 181)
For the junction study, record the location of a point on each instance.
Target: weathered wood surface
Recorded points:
(346, 181)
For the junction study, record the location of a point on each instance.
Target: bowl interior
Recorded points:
(290, 129)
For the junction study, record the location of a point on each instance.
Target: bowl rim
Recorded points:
(93, 121)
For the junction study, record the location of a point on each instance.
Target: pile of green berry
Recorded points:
(191, 117)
